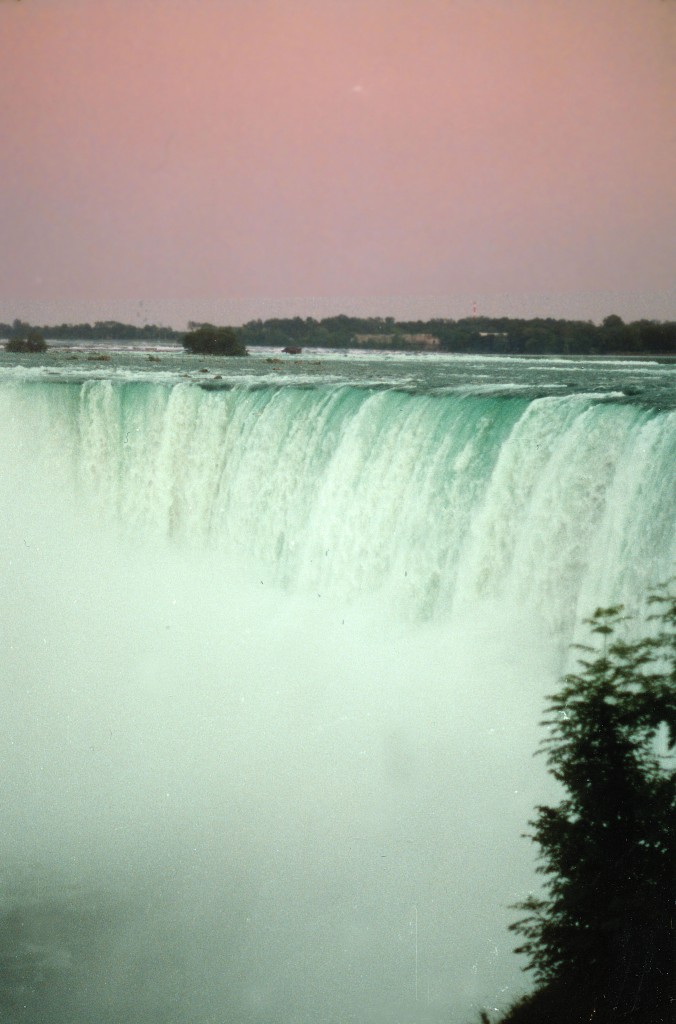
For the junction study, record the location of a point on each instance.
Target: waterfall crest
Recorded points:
(431, 502)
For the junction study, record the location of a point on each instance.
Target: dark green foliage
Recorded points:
(102, 330)
(493, 335)
(566, 1002)
(601, 940)
(497, 335)
(207, 340)
(31, 344)
(24, 338)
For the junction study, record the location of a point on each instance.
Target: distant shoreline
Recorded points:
(478, 336)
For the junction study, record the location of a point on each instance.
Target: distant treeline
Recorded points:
(479, 334)
(102, 330)
(499, 335)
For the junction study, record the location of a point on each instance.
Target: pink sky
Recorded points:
(166, 159)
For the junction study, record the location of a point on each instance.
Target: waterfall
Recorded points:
(274, 662)
(431, 502)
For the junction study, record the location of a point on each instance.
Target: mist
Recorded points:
(223, 801)
(273, 669)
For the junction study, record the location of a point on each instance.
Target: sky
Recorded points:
(166, 160)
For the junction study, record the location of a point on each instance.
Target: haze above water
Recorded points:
(275, 651)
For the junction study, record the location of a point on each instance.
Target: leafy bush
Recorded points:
(30, 341)
(601, 939)
(207, 340)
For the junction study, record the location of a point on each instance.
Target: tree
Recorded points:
(601, 940)
(207, 340)
(26, 339)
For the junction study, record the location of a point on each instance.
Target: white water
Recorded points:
(274, 666)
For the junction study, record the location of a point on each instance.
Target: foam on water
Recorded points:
(274, 661)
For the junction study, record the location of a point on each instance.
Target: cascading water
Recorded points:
(274, 663)
(432, 502)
